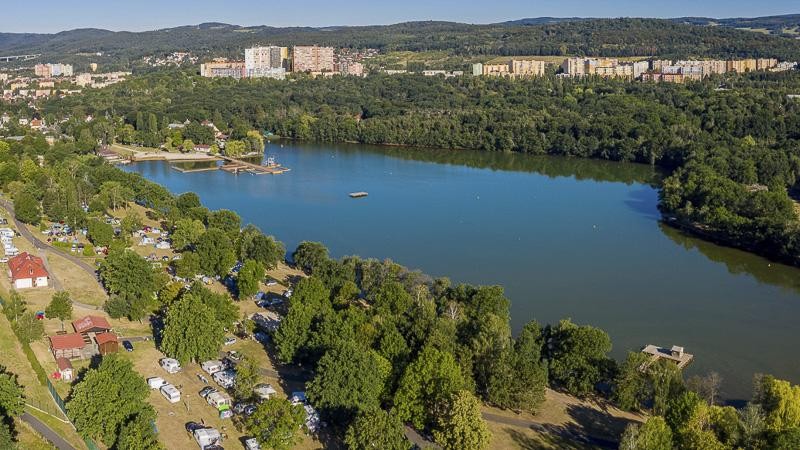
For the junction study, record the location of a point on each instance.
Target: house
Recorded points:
(107, 343)
(27, 271)
(69, 346)
(65, 371)
(91, 324)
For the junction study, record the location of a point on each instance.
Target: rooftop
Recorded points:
(67, 341)
(90, 322)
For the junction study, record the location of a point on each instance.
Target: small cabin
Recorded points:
(107, 343)
(65, 371)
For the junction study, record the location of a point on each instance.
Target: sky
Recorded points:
(50, 16)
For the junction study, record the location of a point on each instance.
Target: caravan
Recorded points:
(170, 365)
(171, 393)
(206, 437)
(212, 367)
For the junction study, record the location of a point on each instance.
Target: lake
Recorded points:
(565, 237)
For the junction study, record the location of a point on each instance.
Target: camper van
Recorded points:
(218, 401)
(207, 437)
(225, 378)
(212, 367)
(171, 393)
(156, 382)
(170, 365)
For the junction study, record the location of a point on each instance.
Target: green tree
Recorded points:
(376, 429)
(426, 386)
(187, 201)
(187, 232)
(12, 396)
(253, 244)
(28, 328)
(113, 391)
(6, 438)
(215, 251)
(780, 401)
(276, 423)
(577, 356)
(131, 222)
(461, 426)
(227, 221)
(310, 255)
(27, 209)
(129, 277)
(100, 233)
(519, 377)
(60, 307)
(15, 306)
(191, 331)
(234, 148)
(348, 379)
(247, 374)
(249, 278)
(654, 434)
(138, 434)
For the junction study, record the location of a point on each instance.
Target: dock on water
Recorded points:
(237, 166)
(675, 355)
(358, 194)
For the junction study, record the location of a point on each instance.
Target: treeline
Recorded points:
(731, 141)
(603, 37)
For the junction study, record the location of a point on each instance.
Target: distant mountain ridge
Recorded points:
(678, 37)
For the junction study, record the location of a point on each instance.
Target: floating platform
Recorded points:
(199, 169)
(359, 194)
(675, 355)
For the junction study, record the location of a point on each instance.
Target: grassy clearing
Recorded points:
(29, 439)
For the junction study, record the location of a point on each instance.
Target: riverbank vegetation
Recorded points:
(383, 346)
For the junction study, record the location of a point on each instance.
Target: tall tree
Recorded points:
(249, 278)
(654, 434)
(60, 307)
(247, 374)
(276, 423)
(376, 429)
(191, 331)
(461, 426)
(310, 255)
(216, 252)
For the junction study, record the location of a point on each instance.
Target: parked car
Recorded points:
(271, 283)
(192, 426)
(264, 391)
(234, 356)
(287, 293)
(239, 407)
(171, 365)
(225, 378)
(202, 378)
(126, 344)
(249, 410)
(251, 444)
(206, 391)
(230, 340)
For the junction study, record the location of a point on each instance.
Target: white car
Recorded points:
(230, 340)
(272, 283)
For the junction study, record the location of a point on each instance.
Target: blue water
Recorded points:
(566, 238)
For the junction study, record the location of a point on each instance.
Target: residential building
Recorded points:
(52, 70)
(232, 69)
(265, 62)
(640, 67)
(527, 67)
(741, 65)
(574, 67)
(69, 346)
(497, 70)
(766, 63)
(91, 324)
(93, 67)
(351, 68)
(27, 271)
(83, 79)
(312, 58)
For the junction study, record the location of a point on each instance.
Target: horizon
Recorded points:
(94, 14)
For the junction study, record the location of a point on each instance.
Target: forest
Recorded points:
(730, 144)
(596, 37)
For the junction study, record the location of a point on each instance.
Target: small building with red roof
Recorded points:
(91, 324)
(27, 271)
(70, 346)
(107, 343)
(65, 371)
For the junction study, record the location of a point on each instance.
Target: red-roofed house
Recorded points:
(107, 342)
(91, 324)
(68, 346)
(64, 368)
(27, 271)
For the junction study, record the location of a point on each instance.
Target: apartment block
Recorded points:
(232, 69)
(269, 61)
(527, 68)
(311, 58)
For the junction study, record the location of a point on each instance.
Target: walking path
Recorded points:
(44, 247)
(51, 436)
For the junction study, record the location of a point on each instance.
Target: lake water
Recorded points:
(565, 237)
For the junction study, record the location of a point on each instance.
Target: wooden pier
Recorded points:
(674, 355)
(236, 166)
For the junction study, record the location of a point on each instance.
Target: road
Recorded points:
(51, 436)
(44, 248)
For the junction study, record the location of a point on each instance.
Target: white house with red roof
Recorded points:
(27, 271)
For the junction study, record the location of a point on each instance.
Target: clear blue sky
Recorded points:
(135, 15)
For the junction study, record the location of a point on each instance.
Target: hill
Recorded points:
(543, 36)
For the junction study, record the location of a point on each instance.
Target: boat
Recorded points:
(358, 194)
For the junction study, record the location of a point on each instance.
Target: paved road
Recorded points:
(51, 436)
(44, 247)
